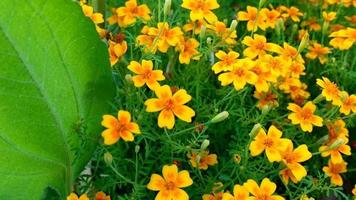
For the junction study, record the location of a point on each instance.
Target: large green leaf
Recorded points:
(55, 83)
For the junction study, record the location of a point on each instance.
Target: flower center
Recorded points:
(306, 114)
(260, 45)
(147, 75)
(170, 186)
(169, 104)
(263, 197)
(268, 142)
(239, 72)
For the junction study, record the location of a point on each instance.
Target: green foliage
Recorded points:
(55, 85)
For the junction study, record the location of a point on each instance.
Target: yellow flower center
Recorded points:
(239, 72)
(170, 186)
(268, 142)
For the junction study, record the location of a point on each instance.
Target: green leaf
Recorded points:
(55, 84)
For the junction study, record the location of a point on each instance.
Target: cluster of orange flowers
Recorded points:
(268, 67)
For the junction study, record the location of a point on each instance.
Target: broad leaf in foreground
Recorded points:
(55, 83)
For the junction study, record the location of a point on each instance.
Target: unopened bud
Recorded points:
(233, 25)
(167, 7)
(137, 148)
(197, 158)
(128, 78)
(279, 26)
(202, 31)
(255, 130)
(323, 139)
(325, 27)
(108, 158)
(304, 42)
(209, 40)
(338, 142)
(262, 2)
(220, 117)
(318, 99)
(265, 109)
(205, 144)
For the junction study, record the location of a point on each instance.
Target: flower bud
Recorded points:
(304, 42)
(167, 7)
(337, 143)
(128, 78)
(202, 32)
(279, 26)
(137, 148)
(209, 40)
(256, 128)
(233, 25)
(325, 28)
(265, 109)
(318, 99)
(262, 2)
(108, 158)
(205, 144)
(220, 117)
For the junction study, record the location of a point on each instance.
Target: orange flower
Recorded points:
(257, 46)
(73, 196)
(169, 106)
(293, 13)
(165, 36)
(264, 191)
(202, 160)
(266, 99)
(277, 65)
(145, 74)
(226, 35)
(131, 11)
(122, 127)
(116, 51)
(330, 90)
(335, 152)
(289, 53)
(195, 26)
(264, 76)
(292, 159)
(102, 196)
(239, 75)
(239, 193)
(201, 9)
(271, 17)
(187, 50)
(348, 103)
(334, 170)
(169, 186)
(296, 69)
(147, 40)
(88, 11)
(226, 61)
(304, 116)
(337, 129)
(318, 51)
(271, 142)
(328, 17)
(253, 19)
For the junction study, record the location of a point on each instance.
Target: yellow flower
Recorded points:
(337, 129)
(239, 75)
(202, 160)
(277, 65)
(239, 193)
(304, 116)
(145, 74)
(334, 170)
(270, 16)
(296, 69)
(201, 9)
(88, 11)
(354, 191)
(343, 39)
(330, 90)
(348, 103)
(147, 40)
(117, 49)
(318, 51)
(335, 152)
(169, 186)
(101, 196)
(264, 76)
(187, 50)
(169, 106)
(254, 20)
(257, 46)
(195, 26)
(226, 61)
(328, 17)
(73, 196)
(122, 127)
(214, 196)
(271, 142)
(226, 35)
(287, 174)
(131, 11)
(292, 159)
(293, 13)
(165, 36)
(264, 191)
(289, 53)
(266, 99)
